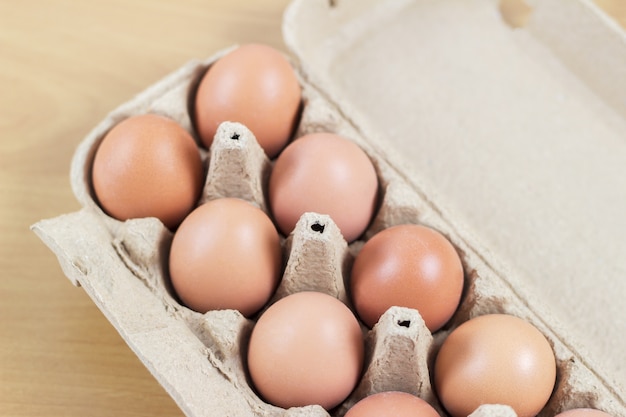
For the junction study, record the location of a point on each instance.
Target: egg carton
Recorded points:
(200, 358)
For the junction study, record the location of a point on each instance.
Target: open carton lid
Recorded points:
(517, 133)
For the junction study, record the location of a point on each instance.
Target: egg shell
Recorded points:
(327, 174)
(226, 254)
(495, 359)
(411, 266)
(392, 404)
(148, 166)
(254, 85)
(306, 349)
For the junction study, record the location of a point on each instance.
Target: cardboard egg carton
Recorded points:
(200, 358)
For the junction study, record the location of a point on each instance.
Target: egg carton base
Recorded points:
(199, 359)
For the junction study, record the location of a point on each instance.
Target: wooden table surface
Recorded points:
(64, 65)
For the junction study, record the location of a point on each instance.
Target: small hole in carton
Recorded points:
(404, 323)
(235, 136)
(318, 227)
(515, 13)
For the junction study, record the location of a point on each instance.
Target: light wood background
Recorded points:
(64, 65)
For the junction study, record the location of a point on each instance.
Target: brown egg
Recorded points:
(392, 404)
(254, 85)
(583, 412)
(306, 348)
(326, 174)
(226, 255)
(495, 359)
(408, 266)
(147, 166)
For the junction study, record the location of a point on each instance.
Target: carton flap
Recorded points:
(517, 131)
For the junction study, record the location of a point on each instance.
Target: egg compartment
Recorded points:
(200, 358)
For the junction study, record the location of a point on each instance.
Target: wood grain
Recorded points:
(63, 65)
